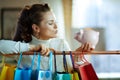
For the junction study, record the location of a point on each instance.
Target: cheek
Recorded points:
(47, 31)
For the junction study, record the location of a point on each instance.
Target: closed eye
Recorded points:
(51, 23)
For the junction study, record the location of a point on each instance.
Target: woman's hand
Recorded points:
(40, 48)
(85, 48)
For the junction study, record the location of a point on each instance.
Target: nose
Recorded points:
(55, 26)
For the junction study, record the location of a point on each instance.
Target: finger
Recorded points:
(85, 47)
(38, 48)
(80, 48)
(88, 47)
(47, 52)
(51, 49)
(43, 50)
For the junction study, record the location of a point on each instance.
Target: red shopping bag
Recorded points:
(85, 69)
(87, 72)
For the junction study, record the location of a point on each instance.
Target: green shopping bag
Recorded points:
(62, 75)
(7, 72)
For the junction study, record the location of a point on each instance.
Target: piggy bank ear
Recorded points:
(76, 36)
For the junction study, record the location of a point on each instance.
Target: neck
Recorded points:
(41, 38)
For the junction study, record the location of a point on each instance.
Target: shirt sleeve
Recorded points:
(9, 46)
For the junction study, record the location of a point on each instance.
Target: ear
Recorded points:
(36, 28)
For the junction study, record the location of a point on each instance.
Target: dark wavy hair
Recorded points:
(29, 15)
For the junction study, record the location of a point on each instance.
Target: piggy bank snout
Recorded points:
(89, 36)
(78, 36)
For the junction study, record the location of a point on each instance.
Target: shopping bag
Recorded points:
(3, 61)
(25, 72)
(74, 72)
(46, 74)
(40, 74)
(34, 74)
(1, 66)
(87, 72)
(62, 75)
(86, 69)
(7, 72)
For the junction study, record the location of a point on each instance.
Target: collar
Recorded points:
(39, 41)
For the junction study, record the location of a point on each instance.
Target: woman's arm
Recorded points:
(9, 46)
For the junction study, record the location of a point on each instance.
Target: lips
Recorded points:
(56, 31)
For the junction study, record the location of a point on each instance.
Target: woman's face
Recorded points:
(48, 27)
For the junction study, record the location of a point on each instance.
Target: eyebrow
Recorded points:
(51, 20)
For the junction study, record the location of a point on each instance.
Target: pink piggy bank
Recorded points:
(88, 35)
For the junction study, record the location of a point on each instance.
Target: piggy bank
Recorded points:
(88, 35)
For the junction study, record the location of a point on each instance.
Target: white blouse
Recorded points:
(55, 43)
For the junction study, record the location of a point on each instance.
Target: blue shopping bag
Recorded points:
(25, 72)
(34, 74)
(40, 74)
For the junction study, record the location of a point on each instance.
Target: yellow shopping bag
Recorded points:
(2, 63)
(7, 72)
(75, 75)
(74, 72)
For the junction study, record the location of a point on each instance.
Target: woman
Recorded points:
(37, 28)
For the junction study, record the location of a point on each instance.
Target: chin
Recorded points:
(54, 36)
